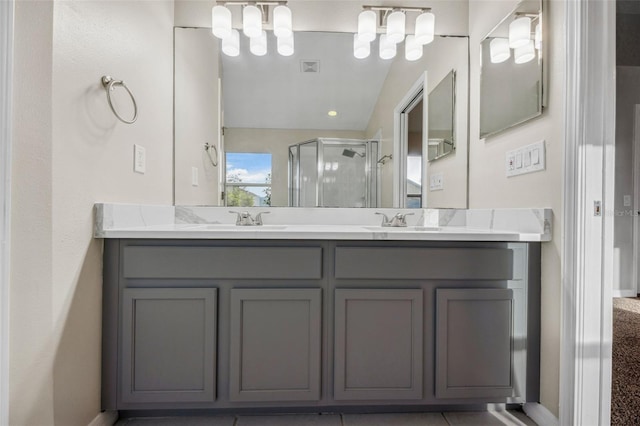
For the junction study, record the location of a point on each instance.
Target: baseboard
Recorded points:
(106, 418)
(539, 414)
(624, 293)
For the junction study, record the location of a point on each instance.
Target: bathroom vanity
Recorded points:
(258, 320)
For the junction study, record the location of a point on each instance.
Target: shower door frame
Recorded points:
(320, 142)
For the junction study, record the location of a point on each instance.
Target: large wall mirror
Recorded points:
(312, 129)
(511, 81)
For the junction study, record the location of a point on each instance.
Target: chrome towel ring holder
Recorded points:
(109, 84)
(211, 147)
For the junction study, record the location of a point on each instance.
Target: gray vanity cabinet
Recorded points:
(474, 343)
(275, 344)
(168, 345)
(378, 344)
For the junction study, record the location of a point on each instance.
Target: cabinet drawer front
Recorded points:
(424, 263)
(222, 262)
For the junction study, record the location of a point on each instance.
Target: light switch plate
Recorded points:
(139, 159)
(528, 159)
(194, 176)
(627, 200)
(436, 182)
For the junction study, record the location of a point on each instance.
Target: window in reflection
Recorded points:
(248, 179)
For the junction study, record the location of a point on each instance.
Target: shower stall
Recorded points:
(329, 172)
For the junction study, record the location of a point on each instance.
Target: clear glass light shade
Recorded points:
(388, 48)
(361, 48)
(538, 37)
(524, 54)
(396, 26)
(258, 45)
(221, 22)
(425, 28)
(285, 45)
(519, 32)
(412, 49)
(367, 25)
(499, 50)
(231, 44)
(251, 21)
(282, 25)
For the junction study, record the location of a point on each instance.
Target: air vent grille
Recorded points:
(309, 66)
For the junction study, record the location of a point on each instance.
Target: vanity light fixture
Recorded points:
(524, 54)
(361, 48)
(367, 25)
(254, 15)
(499, 50)
(425, 27)
(396, 23)
(519, 32)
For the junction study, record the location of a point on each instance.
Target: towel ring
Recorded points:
(109, 84)
(207, 148)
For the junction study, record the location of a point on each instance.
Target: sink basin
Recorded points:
(227, 227)
(401, 229)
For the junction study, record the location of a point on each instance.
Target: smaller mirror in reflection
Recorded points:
(441, 124)
(511, 70)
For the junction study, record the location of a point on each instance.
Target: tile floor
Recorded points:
(485, 418)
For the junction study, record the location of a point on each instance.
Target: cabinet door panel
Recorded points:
(474, 343)
(275, 344)
(378, 344)
(168, 346)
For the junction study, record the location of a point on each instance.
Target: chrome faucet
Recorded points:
(399, 220)
(245, 219)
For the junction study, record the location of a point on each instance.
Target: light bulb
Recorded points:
(251, 21)
(519, 32)
(524, 54)
(387, 48)
(258, 45)
(221, 22)
(361, 48)
(282, 26)
(412, 49)
(395, 26)
(231, 44)
(285, 45)
(425, 28)
(499, 50)
(367, 25)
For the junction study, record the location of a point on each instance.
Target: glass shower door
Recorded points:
(345, 174)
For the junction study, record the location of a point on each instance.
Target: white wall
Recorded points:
(488, 186)
(70, 152)
(402, 75)
(276, 142)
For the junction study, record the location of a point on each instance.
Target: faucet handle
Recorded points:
(258, 219)
(385, 219)
(241, 218)
(402, 218)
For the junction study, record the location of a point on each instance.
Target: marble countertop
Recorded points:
(169, 222)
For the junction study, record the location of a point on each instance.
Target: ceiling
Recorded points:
(272, 92)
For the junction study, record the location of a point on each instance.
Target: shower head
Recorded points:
(351, 153)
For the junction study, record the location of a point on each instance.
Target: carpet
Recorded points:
(625, 386)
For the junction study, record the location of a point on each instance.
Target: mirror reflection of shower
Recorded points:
(330, 172)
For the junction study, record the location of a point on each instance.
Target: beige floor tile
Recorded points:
(488, 418)
(291, 420)
(401, 419)
(179, 421)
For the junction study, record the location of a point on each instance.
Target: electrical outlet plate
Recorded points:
(139, 159)
(528, 159)
(194, 176)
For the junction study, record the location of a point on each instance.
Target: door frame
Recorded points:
(6, 67)
(589, 176)
(419, 88)
(636, 202)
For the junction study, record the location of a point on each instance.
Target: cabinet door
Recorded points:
(474, 356)
(275, 345)
(168, 345)
(378, 344)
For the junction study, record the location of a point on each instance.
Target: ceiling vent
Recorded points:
(309, 66)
